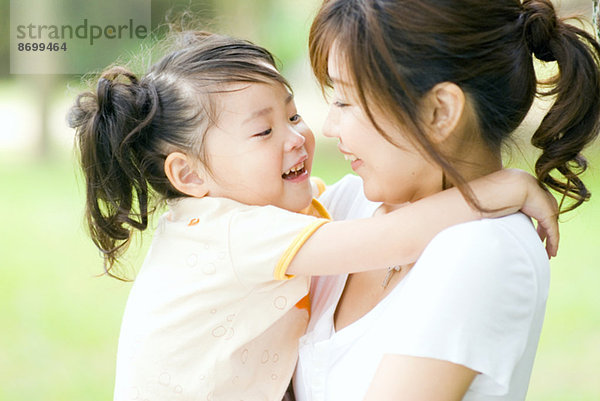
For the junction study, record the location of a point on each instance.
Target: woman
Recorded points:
(425, 95)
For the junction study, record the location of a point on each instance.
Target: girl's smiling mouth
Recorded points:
(296, 173)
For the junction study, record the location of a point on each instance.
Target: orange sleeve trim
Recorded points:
(320, 209)
(292, 250)
(320, 184)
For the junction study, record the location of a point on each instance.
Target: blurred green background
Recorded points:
(60, 322)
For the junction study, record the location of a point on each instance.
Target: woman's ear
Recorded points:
(444, 105)
(182, 175)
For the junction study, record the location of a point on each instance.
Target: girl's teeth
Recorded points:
(350, 157)
(295, 169)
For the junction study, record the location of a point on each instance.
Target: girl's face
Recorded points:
(260, 151)
(391, 174)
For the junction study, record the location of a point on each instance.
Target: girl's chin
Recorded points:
(298, 203)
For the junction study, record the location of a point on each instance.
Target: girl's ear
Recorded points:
(443, 110)
(180, 172)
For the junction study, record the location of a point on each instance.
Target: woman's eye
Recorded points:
(295, 118)
(264, 133)
(339, 104)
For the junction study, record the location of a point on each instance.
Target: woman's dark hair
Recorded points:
(395, 51)
(128, 126)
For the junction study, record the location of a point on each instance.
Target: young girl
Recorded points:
(215, 311)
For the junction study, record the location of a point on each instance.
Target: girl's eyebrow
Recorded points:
(258, 113)
(266, 110)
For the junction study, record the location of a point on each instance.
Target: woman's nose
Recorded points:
(294, 140)
(330, 126)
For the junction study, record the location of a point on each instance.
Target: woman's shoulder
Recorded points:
(511, 234)
(348, 187)
(488, 253)
(346, 199)
(475, 297)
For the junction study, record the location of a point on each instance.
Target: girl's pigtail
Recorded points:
(574, 120)
(110, 128)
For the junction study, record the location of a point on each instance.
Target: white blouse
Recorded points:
(476, 297)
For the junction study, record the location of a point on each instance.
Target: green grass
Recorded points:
(61, 325)
(60, 322)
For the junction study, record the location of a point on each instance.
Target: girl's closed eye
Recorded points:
(263, 133)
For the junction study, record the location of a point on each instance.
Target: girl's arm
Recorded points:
(399, 237)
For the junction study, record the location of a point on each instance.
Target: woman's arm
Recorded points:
(401, 377)
(399, 237)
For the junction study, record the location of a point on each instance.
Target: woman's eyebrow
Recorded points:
(339, 81)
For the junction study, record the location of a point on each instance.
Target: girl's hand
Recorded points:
(523, 192)
(542, 206)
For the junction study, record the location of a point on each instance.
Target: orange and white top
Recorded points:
(212, 314)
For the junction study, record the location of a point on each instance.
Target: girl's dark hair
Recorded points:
(128, 126)
(395, 51)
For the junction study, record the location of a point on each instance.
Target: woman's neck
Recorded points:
(476, 161)
(478, 164)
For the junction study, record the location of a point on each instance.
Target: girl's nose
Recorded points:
(294, 140)
(330, 127)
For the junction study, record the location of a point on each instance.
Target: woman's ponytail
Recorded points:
(574, 119)
(109, 126)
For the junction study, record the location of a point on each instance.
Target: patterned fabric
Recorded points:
(206, 317)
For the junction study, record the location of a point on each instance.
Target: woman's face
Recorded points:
(391, 174)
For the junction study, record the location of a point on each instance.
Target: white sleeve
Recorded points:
(345, 200)
(264, 239)
(470, 300)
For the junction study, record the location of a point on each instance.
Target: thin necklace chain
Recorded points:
(388, 276)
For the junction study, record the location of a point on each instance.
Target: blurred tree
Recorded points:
(4, 35)
(279, 25)
(43, 86)
(165, 11)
